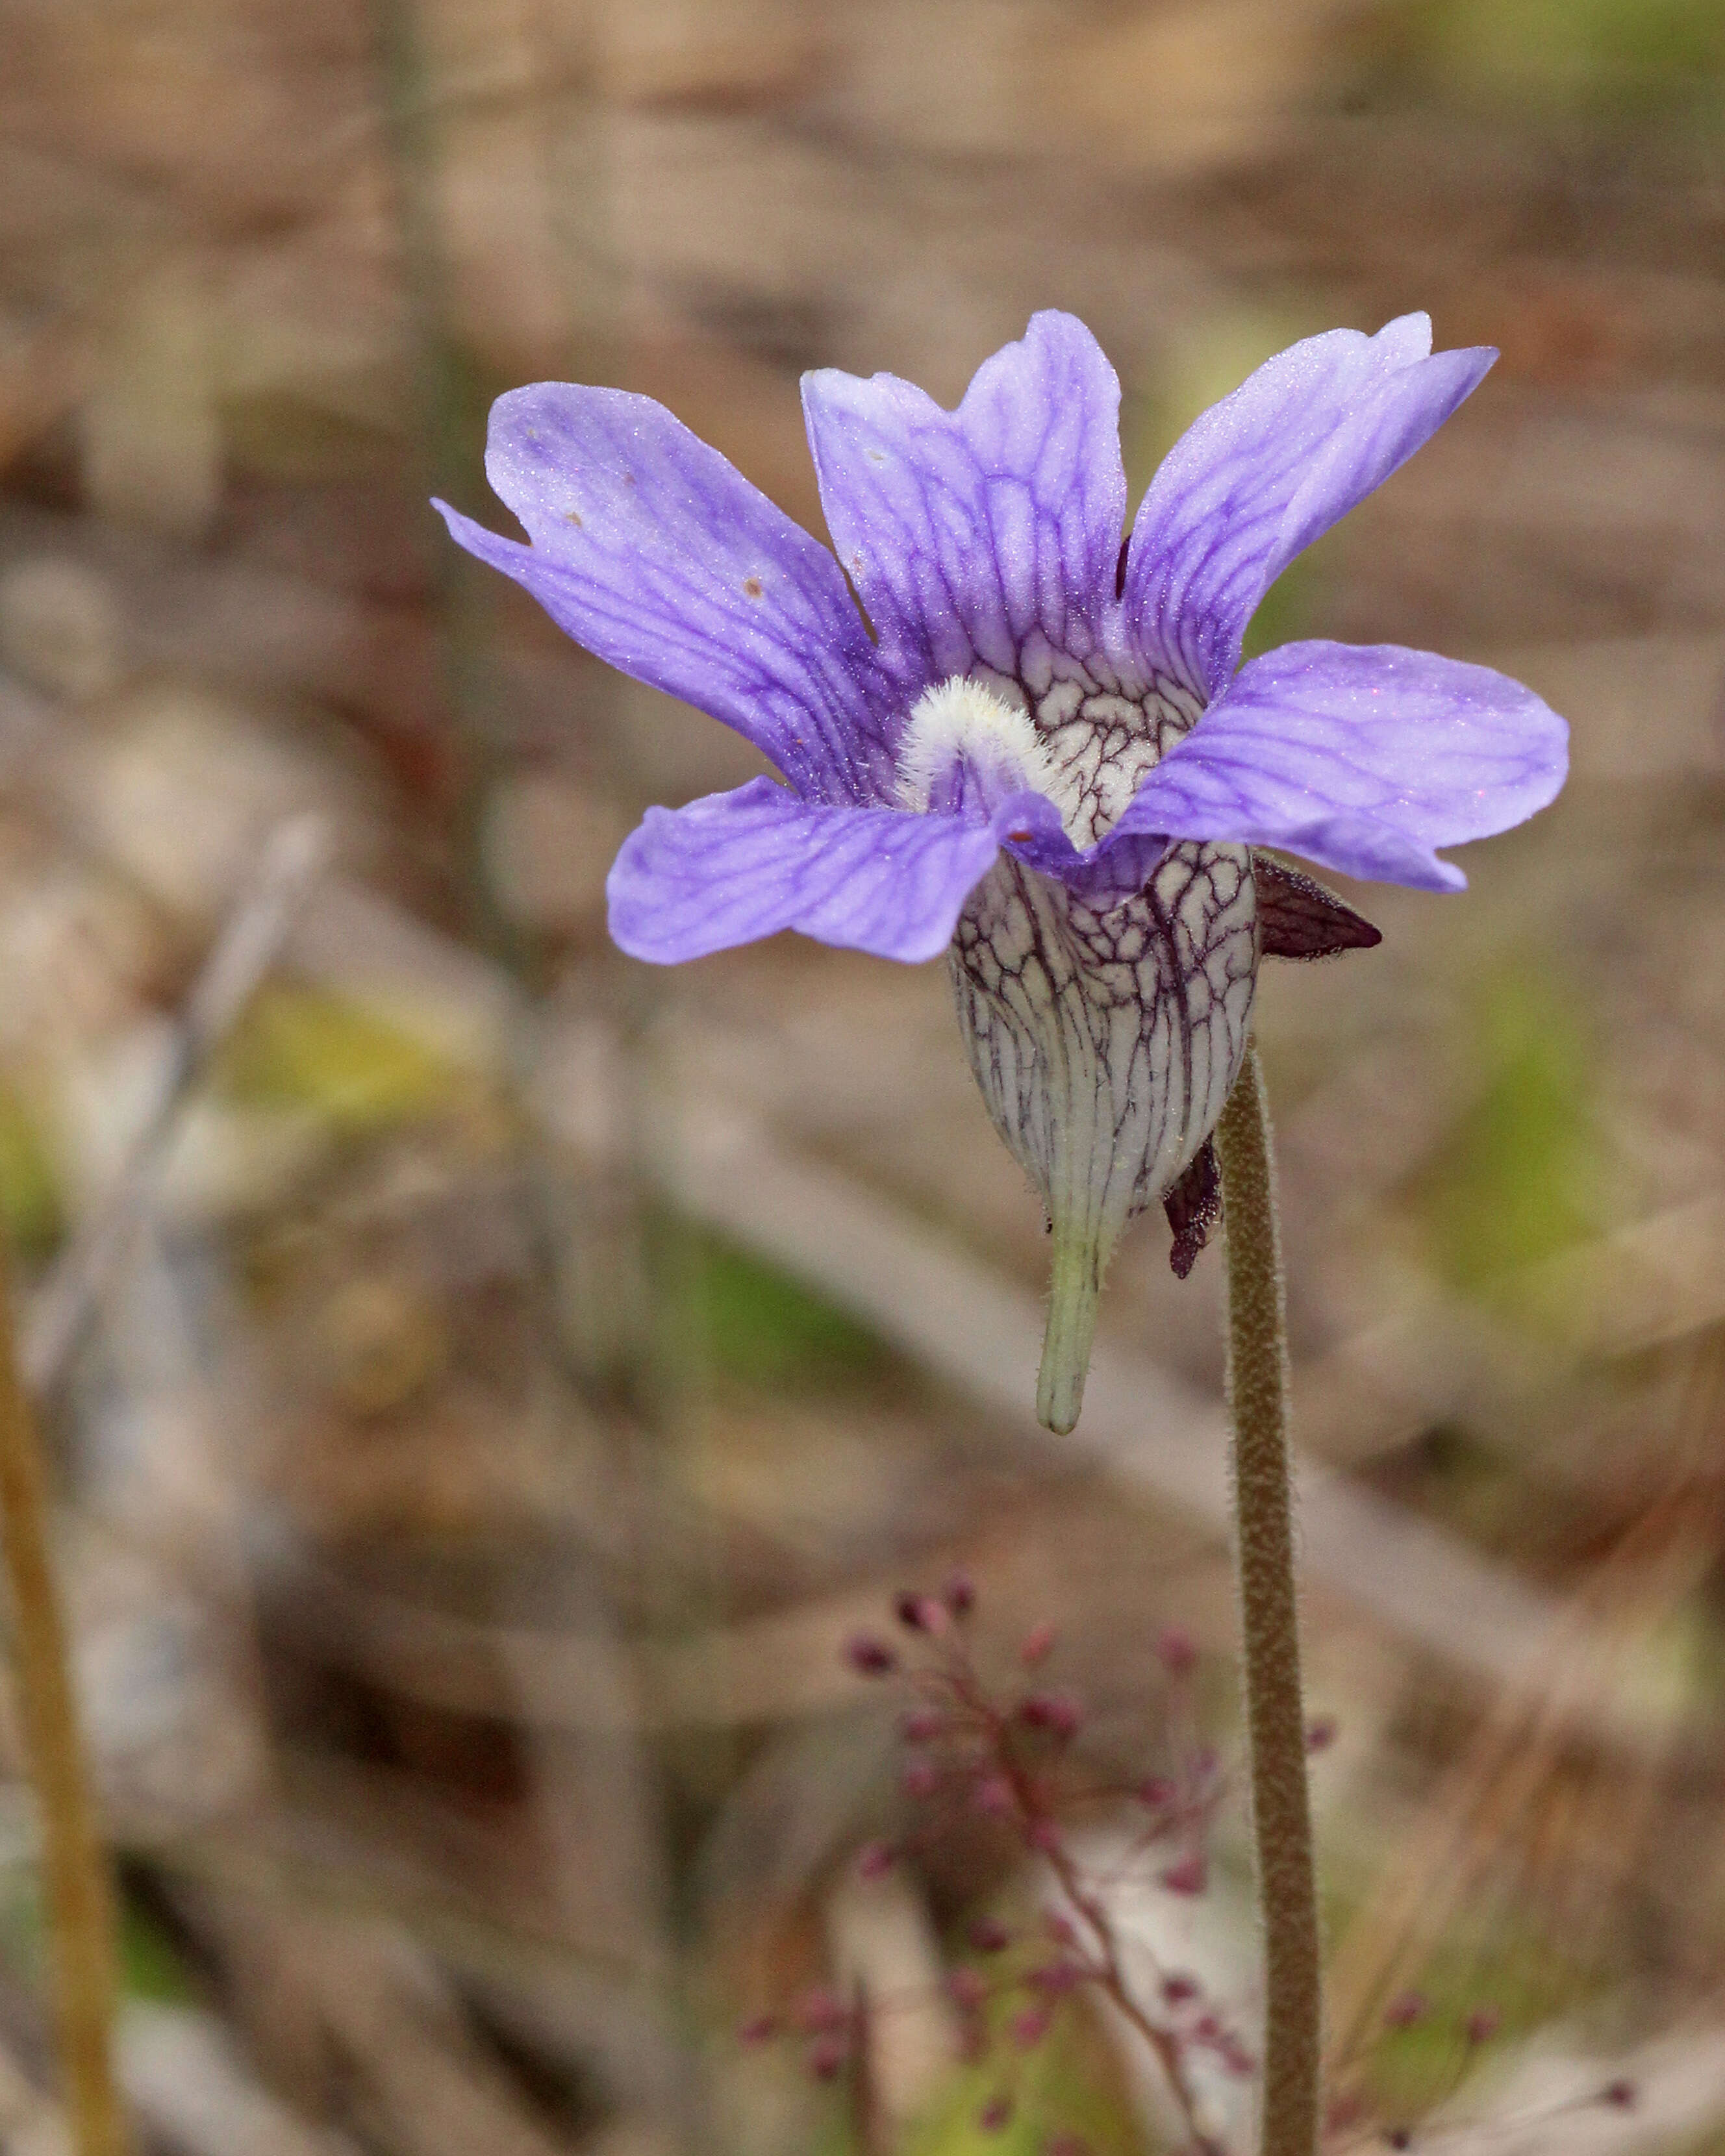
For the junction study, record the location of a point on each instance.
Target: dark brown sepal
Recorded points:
(1299, 919)
(1193, 1206)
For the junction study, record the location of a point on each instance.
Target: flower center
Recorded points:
(1085, 749)
(964, 744)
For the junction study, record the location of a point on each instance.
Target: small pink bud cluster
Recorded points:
(1196, 2023)
(820, 2018)
(1013, 1763)
(1177, 1650)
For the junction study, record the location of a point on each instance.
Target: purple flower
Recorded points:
(1046, 760)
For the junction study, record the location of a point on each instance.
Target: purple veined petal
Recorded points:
(1264, 473)
(966, 532)
(656, 554)
(1101, 876)
(734, 867)
(1363, 758)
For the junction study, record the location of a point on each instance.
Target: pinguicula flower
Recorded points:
(1039, 752)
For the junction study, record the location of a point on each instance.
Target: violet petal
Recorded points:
(656, 554)
(1362, 758)
(1262, 473)
(732, 867)
(969, 534)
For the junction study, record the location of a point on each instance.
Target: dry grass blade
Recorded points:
(1508, 1791)
(246, 947)
(354, 2022)
(1553, 2102)
(189, 2087)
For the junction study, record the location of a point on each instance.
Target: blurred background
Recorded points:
(488, 1381)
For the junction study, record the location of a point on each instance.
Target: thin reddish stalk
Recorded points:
(1105, 1968)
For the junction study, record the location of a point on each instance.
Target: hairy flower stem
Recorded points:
(81, 1913)
(1276, 1720)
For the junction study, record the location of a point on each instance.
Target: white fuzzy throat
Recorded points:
(960, 739)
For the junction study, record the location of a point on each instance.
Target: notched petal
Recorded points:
(968, 533)
(1297, 918)
(1261, 475)
(1194, 1205)
(654, 553)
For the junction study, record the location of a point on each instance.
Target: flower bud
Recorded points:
(1177, 1650)
(1052, 1711)
(1189, 1875)
(1027, 2029)
(827, 2056)
(819, 2012)
(919, 1613)
(869, 1657)
(959, 1593)
(993, 1797)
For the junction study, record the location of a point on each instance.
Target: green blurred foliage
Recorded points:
(1594, 54)
(1524, 1979)
(763, 1329)
(298, 1048)
(150, 1963)
(1519, 1177)
(1069, 2083)
(30, 1202)
(278, 436)
(1289, 610)
(1198, 366)
(23, 1936)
